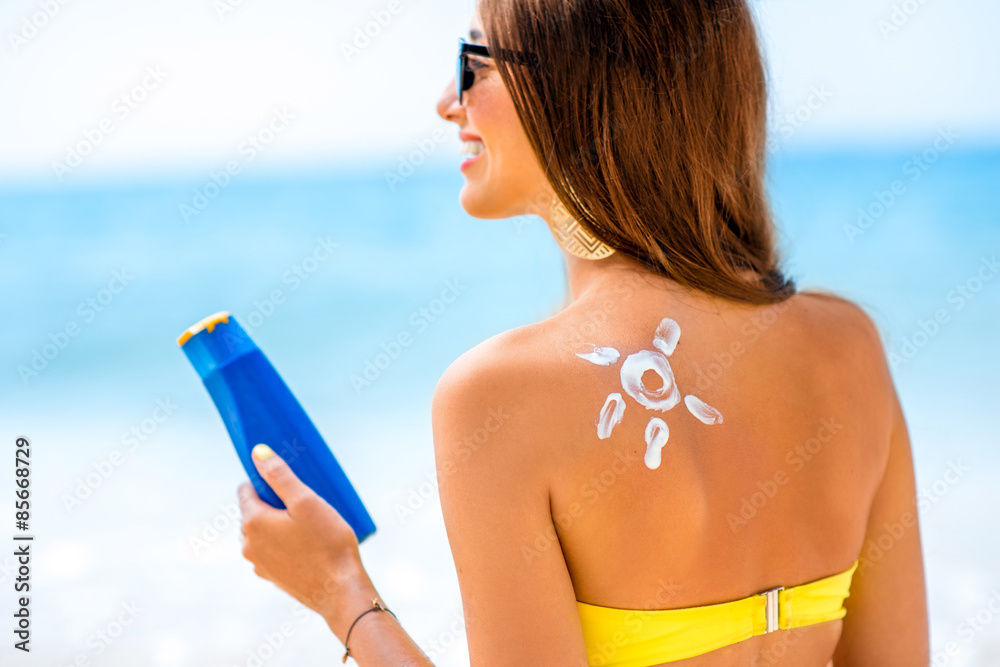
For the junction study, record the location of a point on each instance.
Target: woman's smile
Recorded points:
(470, 161)
(471, 145)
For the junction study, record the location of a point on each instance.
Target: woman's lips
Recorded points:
(467, 138)
(469, 162)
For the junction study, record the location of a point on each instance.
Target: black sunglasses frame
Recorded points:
(465, 77)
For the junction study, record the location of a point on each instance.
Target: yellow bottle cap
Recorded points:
(207, 323)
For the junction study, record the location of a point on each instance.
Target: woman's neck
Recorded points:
(589, 275)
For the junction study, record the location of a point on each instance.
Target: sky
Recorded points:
(183, 84)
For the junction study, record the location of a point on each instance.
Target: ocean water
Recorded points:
(329, 269)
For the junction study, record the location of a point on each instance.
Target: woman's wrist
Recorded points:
(377, 639)
(351, 596)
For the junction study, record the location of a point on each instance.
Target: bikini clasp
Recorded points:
(771, 608)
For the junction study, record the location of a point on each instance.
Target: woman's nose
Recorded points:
(448, 106)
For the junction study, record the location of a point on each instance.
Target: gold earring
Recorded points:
(572, 237)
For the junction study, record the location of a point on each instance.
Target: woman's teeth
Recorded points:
(471, 148)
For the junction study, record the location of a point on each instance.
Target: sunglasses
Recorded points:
(465, 77)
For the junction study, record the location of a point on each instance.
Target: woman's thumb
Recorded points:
(278, 475)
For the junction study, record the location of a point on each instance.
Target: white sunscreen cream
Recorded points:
(664, 398)
(702, 410)
(611, 415)
(667, 335)
(665, 340)
(602, 356)
(656, 436)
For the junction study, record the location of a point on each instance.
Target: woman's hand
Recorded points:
(308, 550)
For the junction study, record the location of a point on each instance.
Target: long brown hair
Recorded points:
(649, 118)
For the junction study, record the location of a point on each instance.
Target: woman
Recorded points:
(689, 430)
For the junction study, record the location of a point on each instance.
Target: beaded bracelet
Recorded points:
(376, 606)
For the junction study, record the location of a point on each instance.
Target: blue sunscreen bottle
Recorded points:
(257, 406)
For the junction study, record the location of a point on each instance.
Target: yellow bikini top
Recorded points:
(639, 638)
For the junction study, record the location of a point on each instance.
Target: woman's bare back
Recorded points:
(778, 494)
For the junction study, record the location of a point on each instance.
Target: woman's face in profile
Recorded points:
(505, 179)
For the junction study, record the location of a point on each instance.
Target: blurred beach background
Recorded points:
(123, 221)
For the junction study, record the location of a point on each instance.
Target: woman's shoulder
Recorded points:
(834, 309)
(495, 406)
(827, 352)
(523, 371)
(510, 362)
(844, 327)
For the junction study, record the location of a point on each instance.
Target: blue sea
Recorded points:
(330, 269)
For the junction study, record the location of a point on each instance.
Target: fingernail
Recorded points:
(262, 452)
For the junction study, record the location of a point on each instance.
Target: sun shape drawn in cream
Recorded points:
(665, 340)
